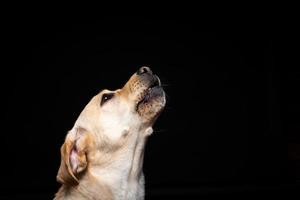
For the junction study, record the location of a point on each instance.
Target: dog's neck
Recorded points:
(124, 174)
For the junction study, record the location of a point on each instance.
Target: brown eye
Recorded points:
(106, 97)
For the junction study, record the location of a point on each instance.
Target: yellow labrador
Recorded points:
(102, 155)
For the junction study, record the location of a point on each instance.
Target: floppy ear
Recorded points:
(73, 157)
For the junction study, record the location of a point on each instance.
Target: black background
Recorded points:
(230, 127)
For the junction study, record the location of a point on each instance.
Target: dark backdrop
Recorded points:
(230, 115)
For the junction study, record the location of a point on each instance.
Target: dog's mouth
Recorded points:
(152, 102)
(151, 92)
(145, 89)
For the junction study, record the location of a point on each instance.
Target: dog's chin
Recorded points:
(152, 103)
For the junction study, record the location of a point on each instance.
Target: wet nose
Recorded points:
(144, 70)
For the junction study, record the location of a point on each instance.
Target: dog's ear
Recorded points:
(73, 157)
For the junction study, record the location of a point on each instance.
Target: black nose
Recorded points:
(144, 70)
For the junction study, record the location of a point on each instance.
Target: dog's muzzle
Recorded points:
(147, 92)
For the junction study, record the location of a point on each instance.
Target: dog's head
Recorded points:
(110, 121)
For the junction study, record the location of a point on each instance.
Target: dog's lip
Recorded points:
(155, 83)
(147, 93)
(157, 80)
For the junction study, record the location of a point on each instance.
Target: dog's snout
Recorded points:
(144, 70)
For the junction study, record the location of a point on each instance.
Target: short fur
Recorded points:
(102, 156)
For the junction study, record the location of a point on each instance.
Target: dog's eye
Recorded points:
(106, 97)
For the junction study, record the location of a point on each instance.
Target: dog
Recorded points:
(102, 155)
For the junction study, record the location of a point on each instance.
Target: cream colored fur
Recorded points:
(102, 156)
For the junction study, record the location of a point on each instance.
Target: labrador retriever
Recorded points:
(102, 156)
